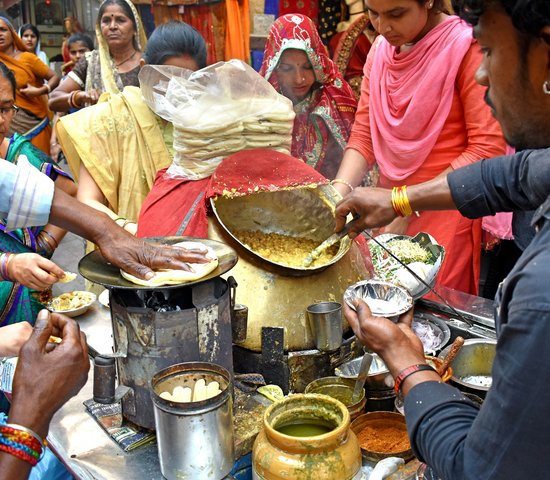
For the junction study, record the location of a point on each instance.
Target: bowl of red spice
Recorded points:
(381, 435)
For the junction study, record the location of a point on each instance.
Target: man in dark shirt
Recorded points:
(508, 438)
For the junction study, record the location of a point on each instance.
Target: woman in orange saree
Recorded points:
(33, 117)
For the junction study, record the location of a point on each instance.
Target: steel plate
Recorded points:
(439, 327)
(95, 268)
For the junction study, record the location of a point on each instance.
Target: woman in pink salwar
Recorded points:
(420, 115)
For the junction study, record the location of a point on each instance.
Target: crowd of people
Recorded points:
(419, 126)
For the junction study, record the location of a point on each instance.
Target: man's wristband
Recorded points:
(407, 372)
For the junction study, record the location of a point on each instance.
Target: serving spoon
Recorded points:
(361, 377)
(329, 242)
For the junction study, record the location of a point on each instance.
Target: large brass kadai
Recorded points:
(277, 295)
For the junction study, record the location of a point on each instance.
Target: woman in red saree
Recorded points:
(297, 64)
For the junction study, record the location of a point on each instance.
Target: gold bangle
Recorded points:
(343, 182)
(400, 201)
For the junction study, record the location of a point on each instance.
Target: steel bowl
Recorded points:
(379, 377)
(75, 312)
(383, 298)
(379, 421)
(439, 328)
(473, 362)
(416, 288)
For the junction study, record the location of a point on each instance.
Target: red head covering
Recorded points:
(330, 109)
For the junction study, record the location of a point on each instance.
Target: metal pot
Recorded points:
(379, 378)
(275, 298)
(341, 389)
(195, 439)
(473, 364)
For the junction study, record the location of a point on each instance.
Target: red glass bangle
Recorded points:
(407, 372)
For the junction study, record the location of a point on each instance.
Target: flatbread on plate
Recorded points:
(175, 277)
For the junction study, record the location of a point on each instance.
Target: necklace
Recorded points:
(127, 60)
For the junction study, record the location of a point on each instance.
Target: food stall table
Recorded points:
(89, 452)
(86, 448)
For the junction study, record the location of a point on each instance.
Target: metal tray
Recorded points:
(95, 268)
(427, 242)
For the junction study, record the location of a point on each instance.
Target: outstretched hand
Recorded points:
(371, 207)
(34, 271)
(140, 258)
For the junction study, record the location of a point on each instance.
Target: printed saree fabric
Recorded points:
(17, 303)
(120, 140)
(327, 114)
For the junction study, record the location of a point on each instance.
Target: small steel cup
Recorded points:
(325, 322)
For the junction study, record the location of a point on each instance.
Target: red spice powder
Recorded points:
(386, 439)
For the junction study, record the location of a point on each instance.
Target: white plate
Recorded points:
(76, 311)
(104, 298)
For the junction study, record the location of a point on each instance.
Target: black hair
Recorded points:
(437, 5)
(6, 73)
(31, 27)
(528, 16)
(125, 8)
(81, 37)
(174, 39)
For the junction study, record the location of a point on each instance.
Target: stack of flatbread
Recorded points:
(176, 277)
(229, 126)
(217, 111)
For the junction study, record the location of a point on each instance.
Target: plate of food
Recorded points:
(72, 304)
(433, 332)
(95, 268)
(421, 254)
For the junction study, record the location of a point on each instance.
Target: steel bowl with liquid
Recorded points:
(472, 367)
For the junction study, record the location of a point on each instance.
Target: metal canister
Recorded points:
(195, 439)
(341, 389)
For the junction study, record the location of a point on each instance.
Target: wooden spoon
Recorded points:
(453, 351)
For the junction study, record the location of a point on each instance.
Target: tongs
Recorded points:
(329, 242)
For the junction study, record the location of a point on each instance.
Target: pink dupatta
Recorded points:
(411, 96)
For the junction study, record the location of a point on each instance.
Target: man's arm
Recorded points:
(47, 375)
(516, 182)
(25, 191)
(25, 194)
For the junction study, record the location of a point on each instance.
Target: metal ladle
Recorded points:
(361, 377)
